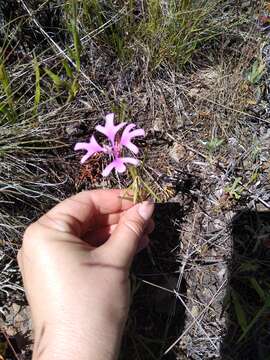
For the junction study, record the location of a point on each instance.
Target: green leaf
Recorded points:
(4, 79)
(255, 319)
(249, 266)
(213, 144)
(73, 26)
(256, 72)
(257, 288)
(68, 69)
(38, 90)
(239, 311)
(73, 89)
(235, 190)
(58, 82)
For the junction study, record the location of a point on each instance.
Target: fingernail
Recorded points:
(146, 209)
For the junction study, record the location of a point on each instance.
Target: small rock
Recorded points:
(158, 124)
(177, 152)
(73, 129)
(195, 311)
(194, 92)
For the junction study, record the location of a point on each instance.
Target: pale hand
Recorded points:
(75, 264)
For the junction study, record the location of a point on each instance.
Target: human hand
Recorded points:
(75, 265)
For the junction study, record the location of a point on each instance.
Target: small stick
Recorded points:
(10, 345)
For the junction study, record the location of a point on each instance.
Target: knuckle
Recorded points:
(27, 242)
(28, 232)
(135, 225)
(61, 222)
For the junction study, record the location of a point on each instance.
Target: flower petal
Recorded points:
(110, 130)
(108, 169)
(133, 148)
(116, 164)
(80, 146)
(128, 135)
(137, 132)
(109, 117)
(130, 160)
(84, 158)
(125, 135)
(119, 165)
(92, 147)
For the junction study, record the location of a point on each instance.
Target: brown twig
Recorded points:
(11, 346)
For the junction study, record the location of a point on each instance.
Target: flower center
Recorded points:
(115, 151)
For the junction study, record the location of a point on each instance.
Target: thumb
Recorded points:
(123, 243)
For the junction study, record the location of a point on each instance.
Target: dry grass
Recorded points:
(191, 91)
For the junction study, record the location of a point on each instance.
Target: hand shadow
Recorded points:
(247, 302)
(156, 316)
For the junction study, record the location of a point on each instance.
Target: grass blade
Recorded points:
(239, 311)
(37, 90)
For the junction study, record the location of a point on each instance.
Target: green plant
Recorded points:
(37, 83)
(265, 308)
(139, 189)
(235, 190)
(242, 309)
(73, 85)
(256, 286)
(162, 34)
(56, 79)
(113, 23)
(256, 72)
(72, 9)
(70, 84)
(239, 310)
(213, 145)
(173, 36)
(7, 105)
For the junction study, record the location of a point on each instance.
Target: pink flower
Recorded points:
(91, 148)
(128, 135)
(115, 149)
(119, 165)
(110, 130)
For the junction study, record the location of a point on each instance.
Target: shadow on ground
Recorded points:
(248, 295)
(156, 318)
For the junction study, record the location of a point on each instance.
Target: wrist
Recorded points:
(71, 341)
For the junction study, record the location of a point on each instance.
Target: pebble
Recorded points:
(177, 152)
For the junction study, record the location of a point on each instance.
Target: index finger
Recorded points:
(85, 207)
